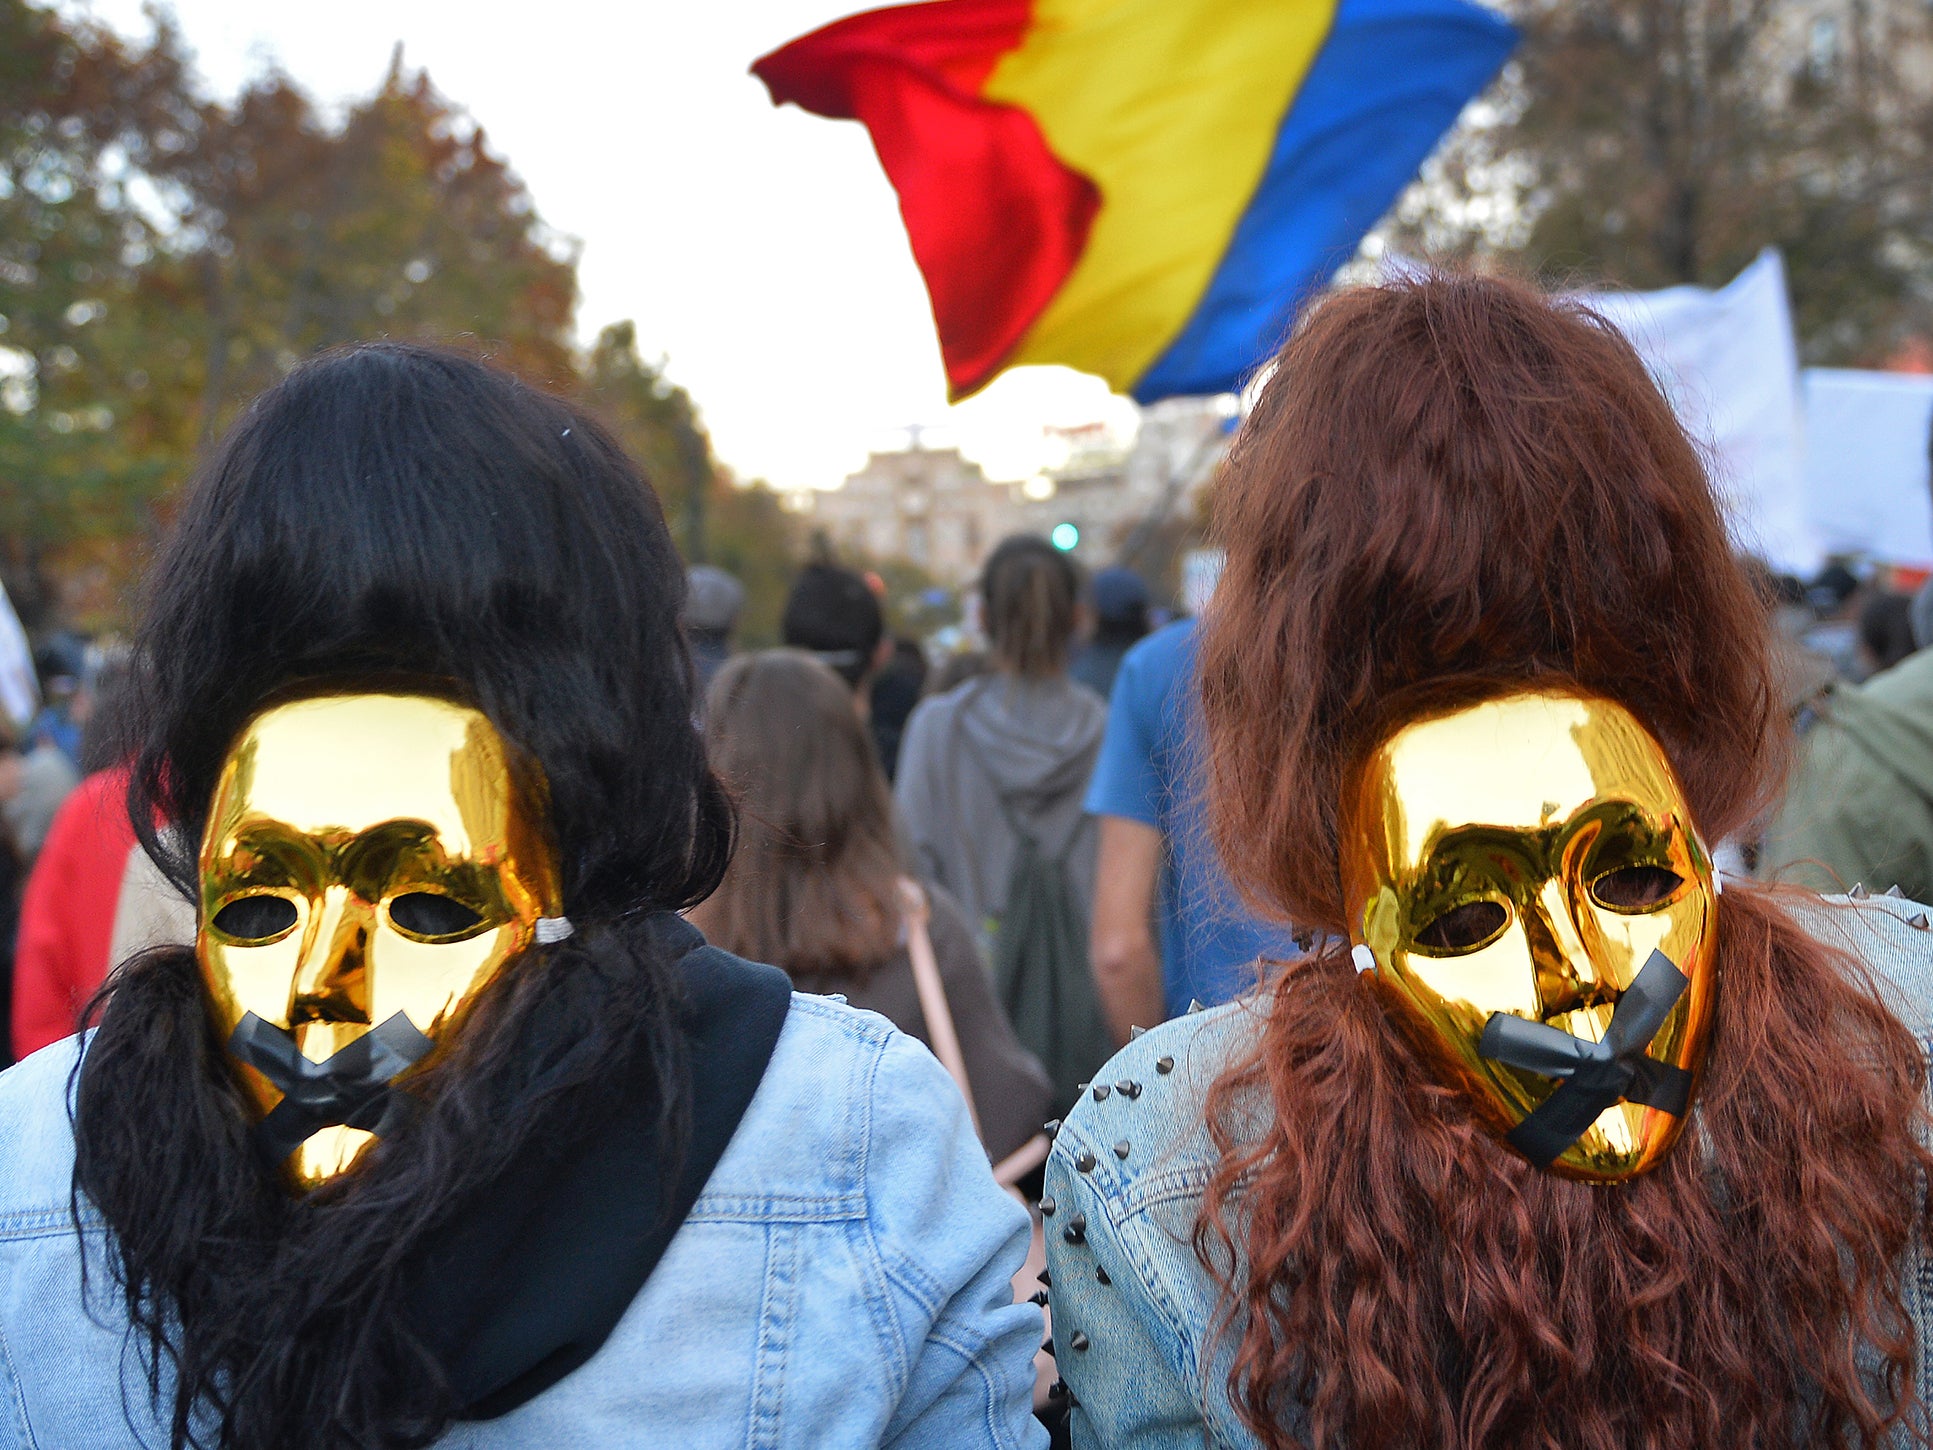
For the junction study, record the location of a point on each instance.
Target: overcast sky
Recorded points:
(759, 250)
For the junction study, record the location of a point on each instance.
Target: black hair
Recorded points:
(833, 613)
(1030, 590)
(392, 510)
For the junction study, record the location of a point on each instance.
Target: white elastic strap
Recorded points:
(553, 929)
(1718, 874)
(1363, 957)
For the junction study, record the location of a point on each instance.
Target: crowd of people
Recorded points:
(1043, 795)
(1469, 988)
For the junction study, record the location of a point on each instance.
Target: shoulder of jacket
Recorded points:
(39, 1160)
(806, 1135)
(1910, 682)
(1892, 936)
(830, 1023)
(1139, 1134)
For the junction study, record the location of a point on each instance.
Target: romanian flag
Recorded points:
(1143, 189)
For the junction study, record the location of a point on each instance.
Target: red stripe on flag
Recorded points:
(996, 220)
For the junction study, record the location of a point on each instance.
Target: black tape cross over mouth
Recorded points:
(352, 1089)
(1595, 1075)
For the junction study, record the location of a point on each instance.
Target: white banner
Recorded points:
(19, 692)
(1727, 361)
(1866, 470)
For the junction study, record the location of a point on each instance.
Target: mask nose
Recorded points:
(332, 979)
(1566, 976)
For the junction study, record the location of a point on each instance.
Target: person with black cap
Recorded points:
(1120, 602)
(833, 615)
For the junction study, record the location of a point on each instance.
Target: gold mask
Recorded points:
(367, 855)
(1527, 857)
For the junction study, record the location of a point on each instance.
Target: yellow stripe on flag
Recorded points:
(1171, 107)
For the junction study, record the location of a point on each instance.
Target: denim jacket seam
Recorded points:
(25, 1225)
(775, 1325)
(907, 1274)
(1128, 1190)
(975, 1359)
(18, 1396)
(885, 1325)
(778, 1208)
(1193, 1350)
(876, 1060)
(841, 1018)
(40, 1223)
(891, 1333)
(1125, 1213)
(1139, 1193)
(1131, 1235)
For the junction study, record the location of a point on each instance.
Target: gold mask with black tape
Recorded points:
(367, 857)
(1531, 857)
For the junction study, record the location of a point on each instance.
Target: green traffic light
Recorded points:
(1065, 536)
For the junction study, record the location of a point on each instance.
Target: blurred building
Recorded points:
(929, 506)
(937, 509)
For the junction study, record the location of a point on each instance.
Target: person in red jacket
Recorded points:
(93, 899)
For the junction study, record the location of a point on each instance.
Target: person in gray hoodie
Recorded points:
(1860, 806)
(1024, 734)
(1000, 765)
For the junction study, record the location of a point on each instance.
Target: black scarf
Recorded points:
(527, 1286)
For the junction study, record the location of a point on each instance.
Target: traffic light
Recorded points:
(1065, 537)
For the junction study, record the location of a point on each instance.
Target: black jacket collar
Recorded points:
(529, 1285)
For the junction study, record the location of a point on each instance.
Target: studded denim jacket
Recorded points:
(843, 1281)
(1134, 1312)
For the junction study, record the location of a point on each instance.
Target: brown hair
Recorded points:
(1031, 591)
(812, 886)
(1449, 487)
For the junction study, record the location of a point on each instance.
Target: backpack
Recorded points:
(1041, 972)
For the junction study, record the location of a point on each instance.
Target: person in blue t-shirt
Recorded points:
(1155, 855)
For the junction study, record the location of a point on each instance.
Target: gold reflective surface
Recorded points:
(1546, 822)
(366, 854)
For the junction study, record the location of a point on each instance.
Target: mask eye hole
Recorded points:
(256, 920)
(430, 914)
(1636, 888)
(1464, 928)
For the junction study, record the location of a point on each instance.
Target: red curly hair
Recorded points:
(1458, 486)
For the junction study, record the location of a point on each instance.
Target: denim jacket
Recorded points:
(844, 1279)
(1134, 1312)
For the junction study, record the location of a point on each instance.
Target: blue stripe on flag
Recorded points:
(1389, 81)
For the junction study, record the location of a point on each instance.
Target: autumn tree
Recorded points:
(657, 422)
(750, 534)
(1656, 142)
(163, 258)
(82, 119)
(402, 224)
